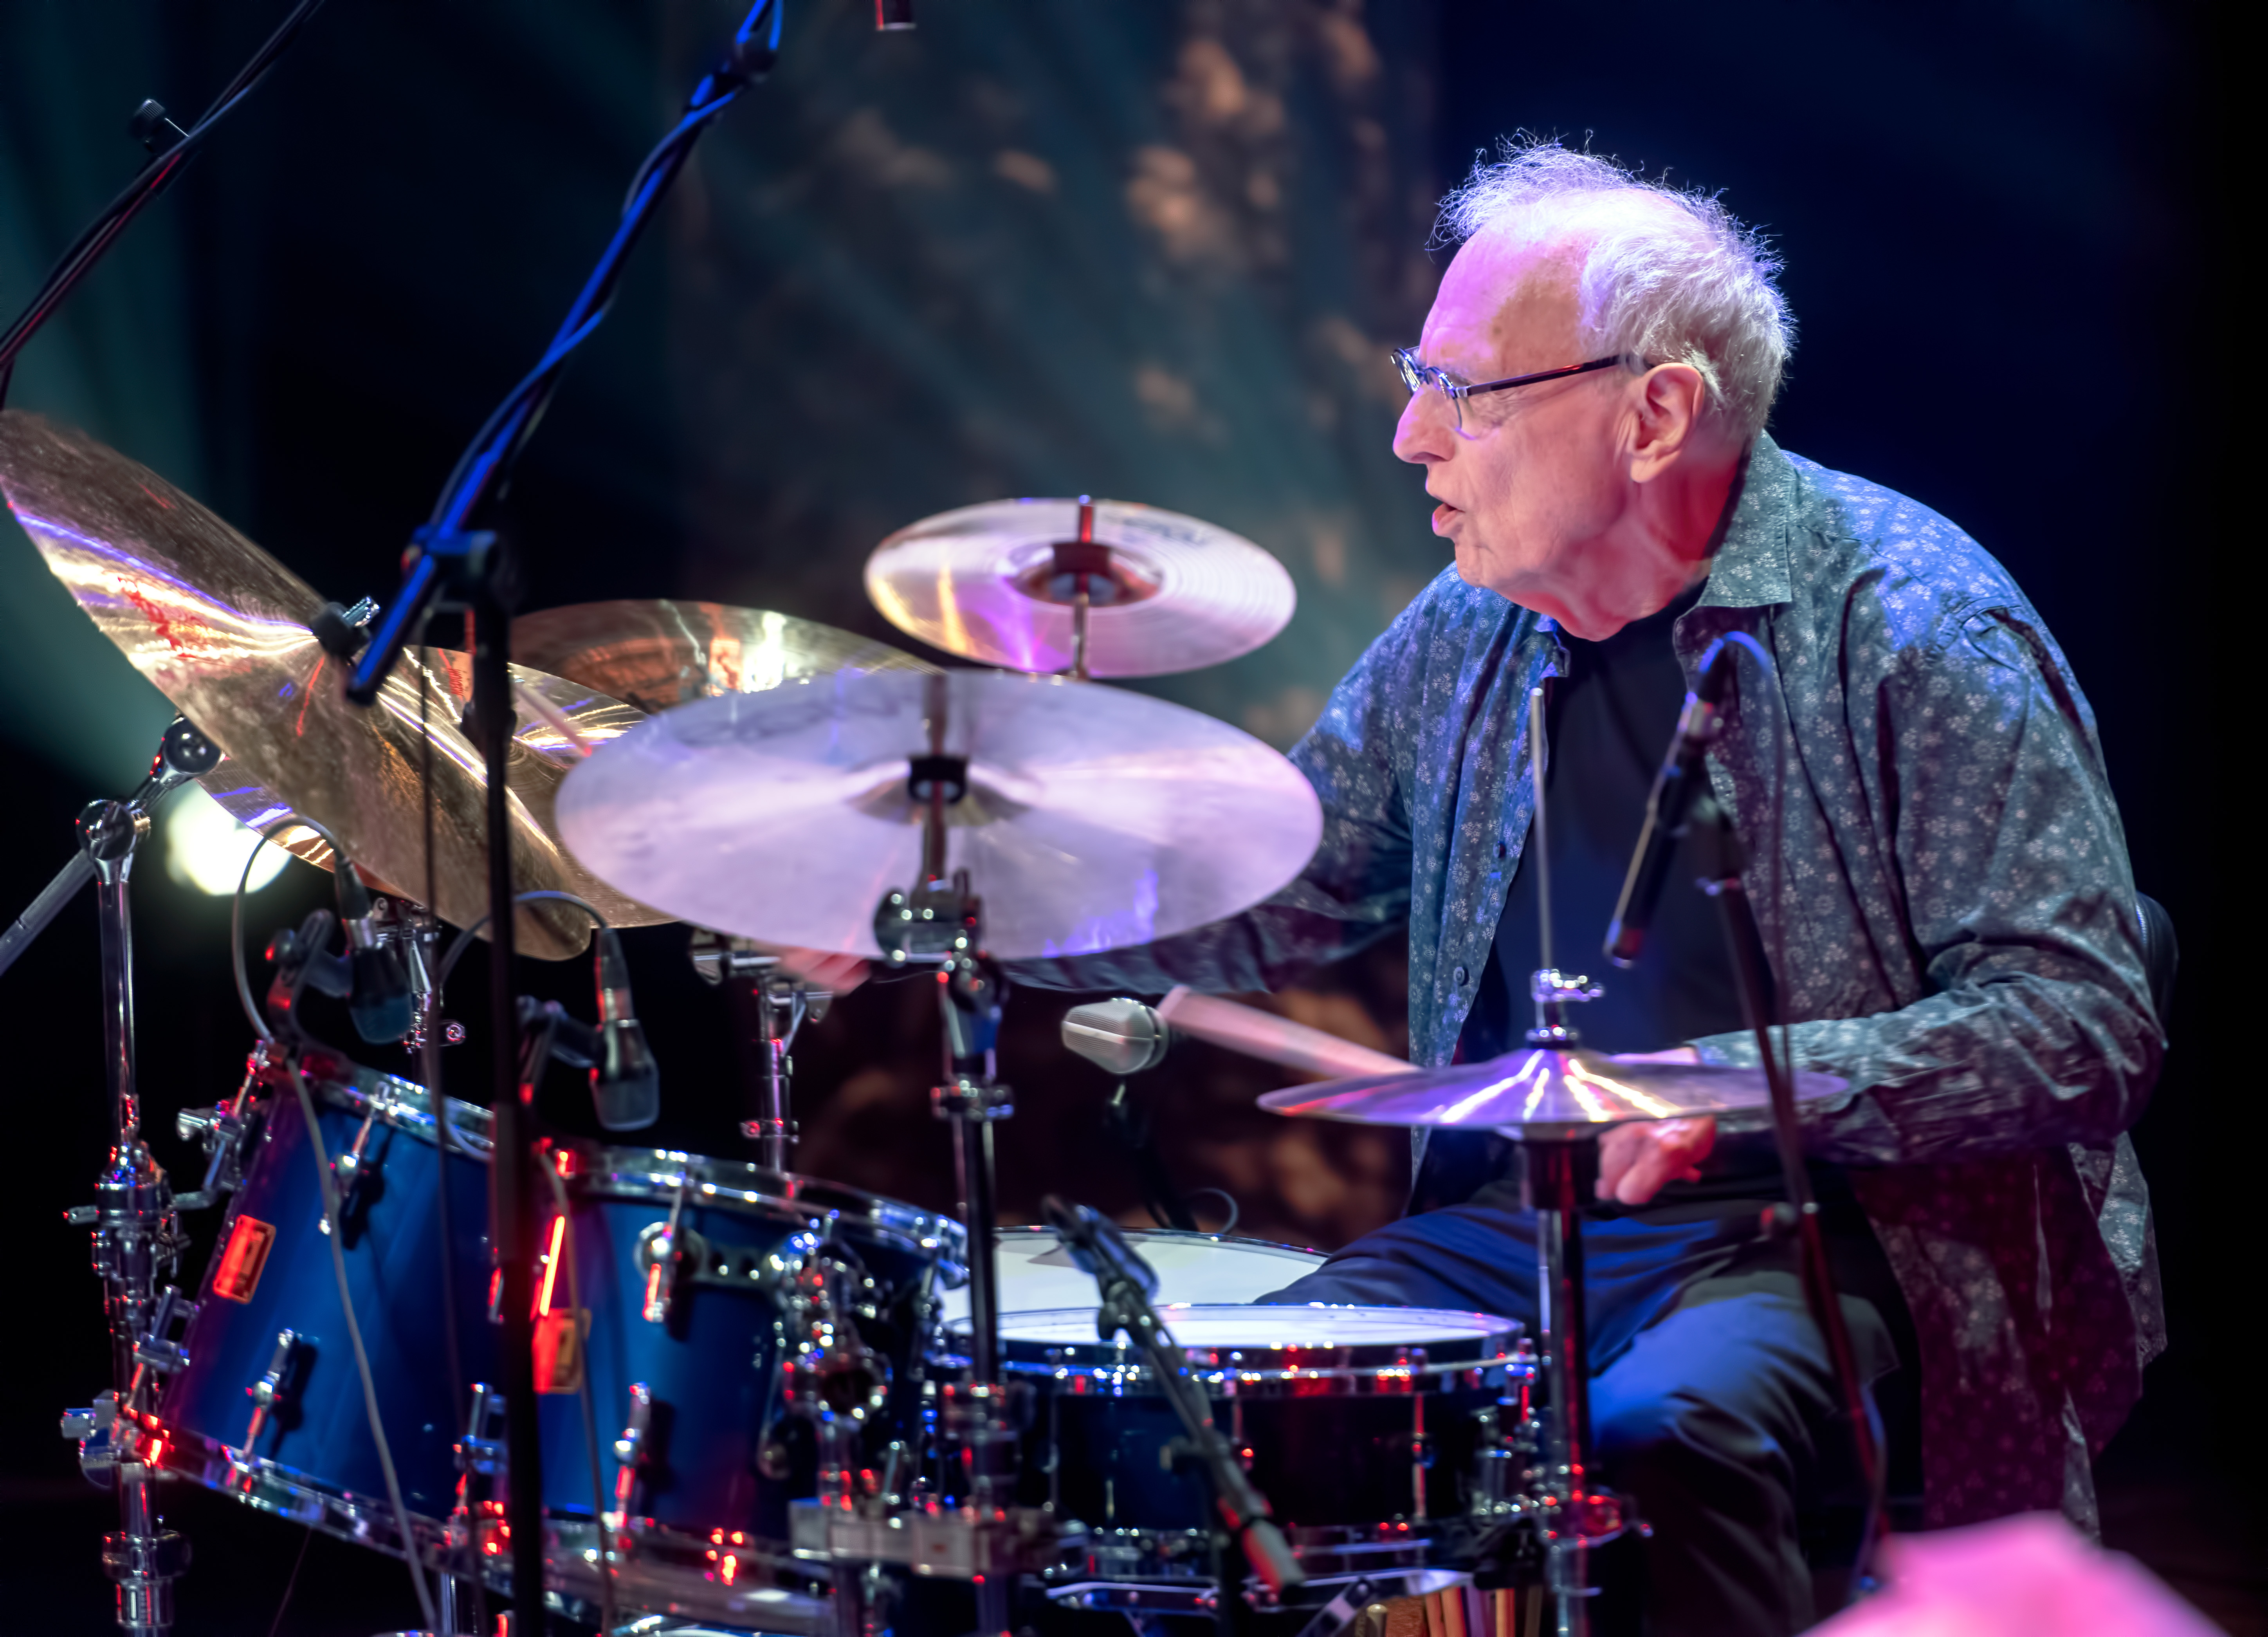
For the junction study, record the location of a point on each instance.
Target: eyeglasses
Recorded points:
(1417, 377)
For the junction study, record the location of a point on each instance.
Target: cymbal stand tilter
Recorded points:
(782, 1006)
(137, 1237)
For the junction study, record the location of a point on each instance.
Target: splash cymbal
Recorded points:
(999, 583)
(1547, 1094)
(656, 654)
(220, 628)
(1091, 819)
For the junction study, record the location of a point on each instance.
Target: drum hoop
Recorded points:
(1260, 1368)
(660, 1562)
(1140, 1237)
(647, 1174)
(655, 1175)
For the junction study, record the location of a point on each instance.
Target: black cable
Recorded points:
(306, 1539)
(484, 468)
(149, 183)
(236, 912)
(464, 938)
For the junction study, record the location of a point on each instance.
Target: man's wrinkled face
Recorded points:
(1536, 471)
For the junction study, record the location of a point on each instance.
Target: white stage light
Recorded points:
(205, 848)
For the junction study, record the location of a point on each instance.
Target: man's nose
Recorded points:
(1423, 435)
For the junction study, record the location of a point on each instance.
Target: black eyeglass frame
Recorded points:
(1417, 375)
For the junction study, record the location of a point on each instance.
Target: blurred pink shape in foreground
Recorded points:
(2034, 1574)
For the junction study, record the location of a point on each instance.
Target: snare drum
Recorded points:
(1037, 1273)
(1365, 1428)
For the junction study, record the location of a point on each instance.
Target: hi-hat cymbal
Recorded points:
(998, 583)
(220, 628)
(661, 653)
(1545, 1094)
(1092, 818)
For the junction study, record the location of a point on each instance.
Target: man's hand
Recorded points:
(825, 968)
(1636, 1159)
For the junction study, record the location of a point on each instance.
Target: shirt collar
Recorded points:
(1750, 569)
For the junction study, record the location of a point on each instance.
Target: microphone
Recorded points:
(625, 1082)
(1667, 809)
(1124, 1036)
(378, 1001)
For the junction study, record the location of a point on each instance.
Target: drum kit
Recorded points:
(765, 1401)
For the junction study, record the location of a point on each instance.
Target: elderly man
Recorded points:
(1935, 860)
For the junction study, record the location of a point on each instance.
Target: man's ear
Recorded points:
(1666, 415)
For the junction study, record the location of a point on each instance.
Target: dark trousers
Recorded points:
(1713, 1404)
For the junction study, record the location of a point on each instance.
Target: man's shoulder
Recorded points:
(1850, 537)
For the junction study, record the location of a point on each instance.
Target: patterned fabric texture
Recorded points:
(1939, 877)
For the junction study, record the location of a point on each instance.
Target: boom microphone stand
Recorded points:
(1682, 804)
(469, 566)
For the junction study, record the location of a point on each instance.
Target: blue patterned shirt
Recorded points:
(1939, 875)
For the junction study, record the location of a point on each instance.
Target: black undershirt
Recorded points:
(1608, 722)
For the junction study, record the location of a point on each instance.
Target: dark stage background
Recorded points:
(1156, 252)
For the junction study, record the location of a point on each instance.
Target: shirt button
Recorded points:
(1461, 976)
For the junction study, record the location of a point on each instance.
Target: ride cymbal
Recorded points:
(999, 583)
(1091, 818)
(1546, 1094)
(657, 654)
(221, 628)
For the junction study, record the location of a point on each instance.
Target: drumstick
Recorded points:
(1273, 1039)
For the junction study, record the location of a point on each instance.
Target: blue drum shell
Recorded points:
(712, 1364)
(392, 1242)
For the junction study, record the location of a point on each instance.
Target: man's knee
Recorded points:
(1680, 1437)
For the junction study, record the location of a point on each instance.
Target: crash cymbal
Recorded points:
(1545, 1094)
(1000, 582)
(1092, 818)
(220, 628)
(662, 654)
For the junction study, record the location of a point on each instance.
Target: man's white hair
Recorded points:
(1664, 277)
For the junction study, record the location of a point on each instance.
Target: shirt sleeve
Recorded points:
(1355, 888)
(2038, 1028)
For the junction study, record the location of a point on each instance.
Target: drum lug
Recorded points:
(351, 1167)
(275, 1388)
(635, 1448)
(481, 1450)
(91, 1429)
(159, 1349)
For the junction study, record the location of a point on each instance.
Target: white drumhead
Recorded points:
(1228, 1327)
(1036, 1273)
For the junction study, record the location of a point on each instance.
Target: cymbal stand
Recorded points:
(1575, 1512)
(136, 1226)
(782, 1007)
(942, 922)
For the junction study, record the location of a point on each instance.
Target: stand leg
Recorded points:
(1554, 1178)
(511, 1197)
(133, 1236)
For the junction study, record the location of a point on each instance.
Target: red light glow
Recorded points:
(551, 1266)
